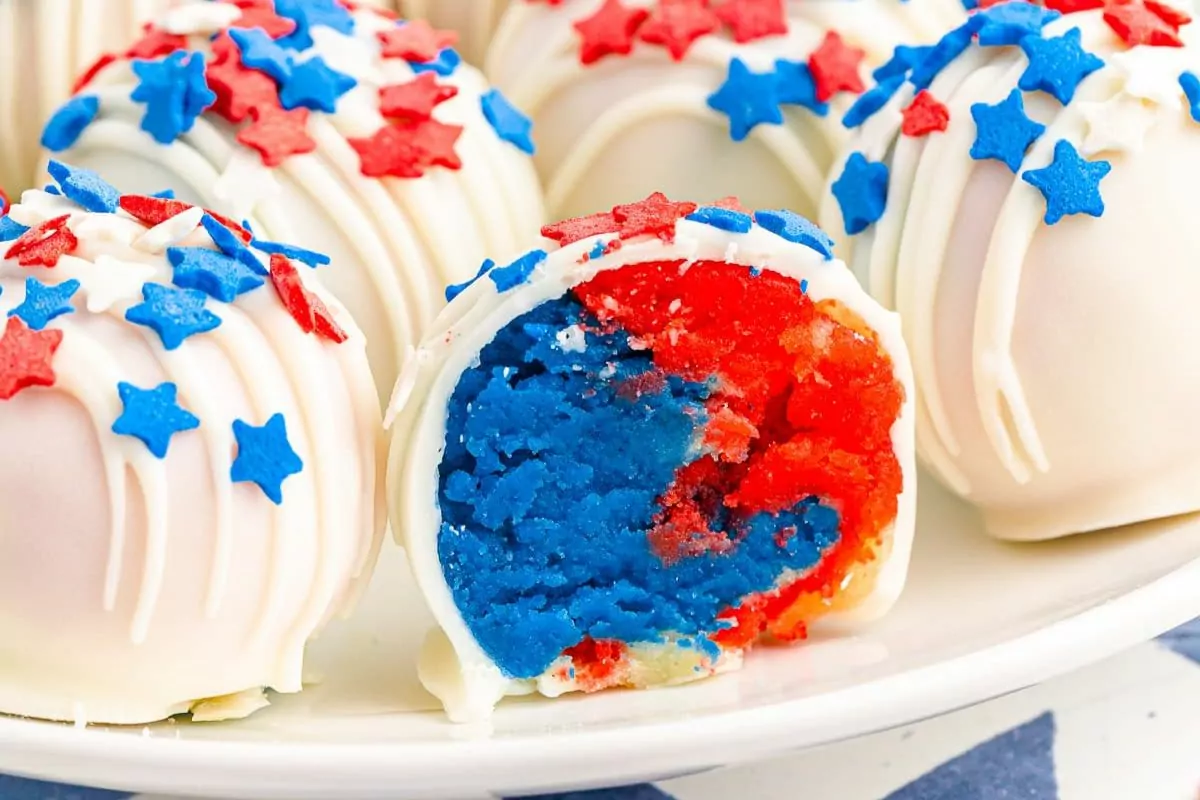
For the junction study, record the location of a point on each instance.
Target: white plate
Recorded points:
(980, 619)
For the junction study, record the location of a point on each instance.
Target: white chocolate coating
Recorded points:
(475, 20)
(44, 46)
(613, 131)
(453, 666)
(1056, 386)
(132, 587)
(395, 243)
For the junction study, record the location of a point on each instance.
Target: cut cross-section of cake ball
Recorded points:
(349, 133)
(191, 479)
(46, 46)
(626, 458)
(1023, 199)
(698, 99)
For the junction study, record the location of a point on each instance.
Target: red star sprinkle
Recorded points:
(570, 231)
(1143, 22)
(925, 115)
(654, 216)
(416, 41)
(675, 24)
(261, 14)
(89, 74)
(753, 19)
(435, 142)
(42, 245)
(389, 151)
(25, 357)
(1174, 17)
(156, 43)
(277, 134)
(610, 31)
(240, 92)
(416, 99)
(309, 311)
(835, 67)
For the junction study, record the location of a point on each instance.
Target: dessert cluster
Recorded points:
(280, 273)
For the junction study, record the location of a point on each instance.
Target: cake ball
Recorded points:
(191, 479)
(633, 96)
(47, 44)
(349, 133)
(474, 20)
(1021, 198)
(624, 459)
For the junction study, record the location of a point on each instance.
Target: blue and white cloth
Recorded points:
(1126, 729)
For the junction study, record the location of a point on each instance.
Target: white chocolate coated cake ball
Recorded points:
(44, 46)
(627, 100)
(343, 131)
(190, 482)
(1041, 252)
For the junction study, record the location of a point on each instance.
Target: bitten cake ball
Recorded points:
(358, 137)
(623, 460)
(46, 45)
(1023, 197)
(693, 98)
(190, 471)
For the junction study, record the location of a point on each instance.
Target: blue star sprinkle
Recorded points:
(315, 85)
(518, 271)
(152, 416)
(455, 289)
(306, 14)
(1191, 89)
(749, 99)
(174, 314)
(265, 457)
(1057, 65)
(1003, 131)
(861, 192)
(216, 274)
(175, 93)
(725, 219)
(446, 62)
(165, 194)
(229, 244)
(10, 229)
(69, 122)
(1009, 23)
(260, 52)
(796, 86)
(870, 101)
(43, 303)
(903, 59)
(309, 257)
(795, 228)
(1070, 184)
(952, 45)
(509, 124)
(85, 187)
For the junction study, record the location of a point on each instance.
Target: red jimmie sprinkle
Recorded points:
(835, 67)
(25, 357)
(44, 244)
(151, 211)
(89, 74)
(926, 114)
(308, 310)
(676, 24)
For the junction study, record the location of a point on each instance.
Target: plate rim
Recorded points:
(626, 753)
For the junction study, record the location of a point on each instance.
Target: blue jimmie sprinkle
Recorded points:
(446, 62)
(598, 249)
(517, 272)
(794, 228)
(870, 101)
(941, 55)
(310, 257)
(455, 289)
(550, 482)
(507, 121)
(69, 122)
